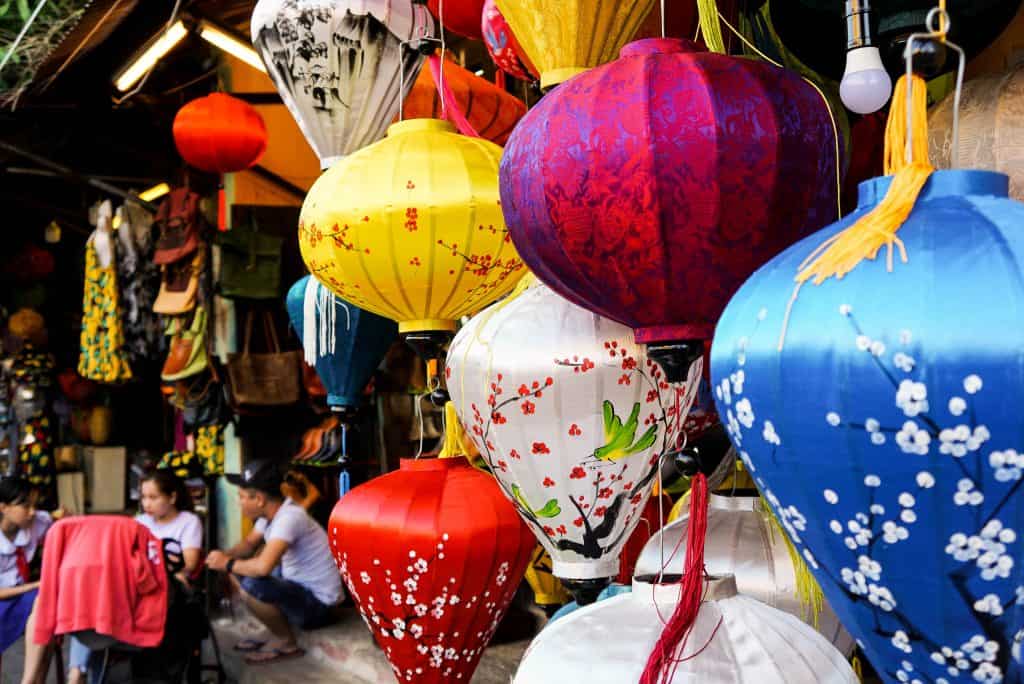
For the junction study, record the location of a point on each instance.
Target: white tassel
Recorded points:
(309, 322)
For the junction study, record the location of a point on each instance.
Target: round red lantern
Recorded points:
(649, 188)
(502, 45)
(432, 554)
(220, 134)
(460, 16)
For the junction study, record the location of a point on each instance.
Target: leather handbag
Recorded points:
(250, 263)
(179, 286)
(261, 380)
(187, 356)
(178, 220)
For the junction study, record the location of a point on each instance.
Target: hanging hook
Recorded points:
(936, 32)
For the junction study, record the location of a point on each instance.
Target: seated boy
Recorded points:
(292, 582)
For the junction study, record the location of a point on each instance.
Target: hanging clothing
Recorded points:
(103, 573)
(138, 280)
(35, 458)
(102, 356)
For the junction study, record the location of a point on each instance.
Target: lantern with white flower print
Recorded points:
(880, 416)
(572, 417)
(432, 554)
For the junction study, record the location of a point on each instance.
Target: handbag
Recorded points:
(179, 286)
(178, 220)
(250, 263)
(188, 350)
(271, 379)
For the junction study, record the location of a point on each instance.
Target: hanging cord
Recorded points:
(418, 417)
(444, 49)
(662, 18)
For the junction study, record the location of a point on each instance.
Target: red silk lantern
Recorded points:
(491, 111)
(432, 554)
(502, 45)
(460, 16)
(220, 134)
(648, 189)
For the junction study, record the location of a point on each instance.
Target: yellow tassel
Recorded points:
(456, 443)
(807, 589)
(709, 27)
(843, 252)
(857, 668)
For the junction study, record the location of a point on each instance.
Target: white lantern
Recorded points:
(342, 67)
(741, 541)
(572, 417)
(734, 639)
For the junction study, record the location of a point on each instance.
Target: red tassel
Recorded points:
(222, 208)
(662, 662)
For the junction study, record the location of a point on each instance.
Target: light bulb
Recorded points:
(866, 85)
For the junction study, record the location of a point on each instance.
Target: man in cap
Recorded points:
(292, 581)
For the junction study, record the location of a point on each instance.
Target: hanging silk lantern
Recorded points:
(991, 127)
(460, 16)
(489, 110)
(432, 554)
(342, 67)
(885, 432)
(742, 541)
(411, 228)
(344, 343)
(502, 45)
(735, 639)
(567, 38)
(973, 25)
(220, 134)
(620, 187)
(572, 417)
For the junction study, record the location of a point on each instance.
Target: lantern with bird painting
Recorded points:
(342, 67)
(572, 417)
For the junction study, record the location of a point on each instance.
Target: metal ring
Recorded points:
(943, 15)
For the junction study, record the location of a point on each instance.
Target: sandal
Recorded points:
(249, 645)
(275, 655)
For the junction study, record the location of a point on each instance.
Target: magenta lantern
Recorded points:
(648, 189)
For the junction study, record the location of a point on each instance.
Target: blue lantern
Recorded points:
(343, 342)
(880, 415)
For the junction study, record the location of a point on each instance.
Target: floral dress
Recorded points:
(103, 356)
(32, 378)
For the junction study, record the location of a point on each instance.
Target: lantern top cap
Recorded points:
(717, 588)
(420, 125)
(956, 182)
(432, 464)
(659, 46)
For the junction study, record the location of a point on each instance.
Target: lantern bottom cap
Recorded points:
(418, 125)
(716, 588)
(425, 324)
(584, 570)
(551, 78)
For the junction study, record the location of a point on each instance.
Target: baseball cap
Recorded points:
(262, 474)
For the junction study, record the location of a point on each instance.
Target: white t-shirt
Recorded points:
(186, 529)
(308, 560)
(29, 541)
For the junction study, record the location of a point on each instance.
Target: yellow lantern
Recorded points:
(411, 228)
(568, 37)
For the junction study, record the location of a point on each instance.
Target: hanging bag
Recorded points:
(250, 263)
(187, 355)
(178, 221)
(179, 286)
(259, 380)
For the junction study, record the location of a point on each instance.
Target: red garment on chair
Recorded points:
(104, 573)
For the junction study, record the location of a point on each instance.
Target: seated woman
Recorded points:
(167, 512)
(21, 532)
